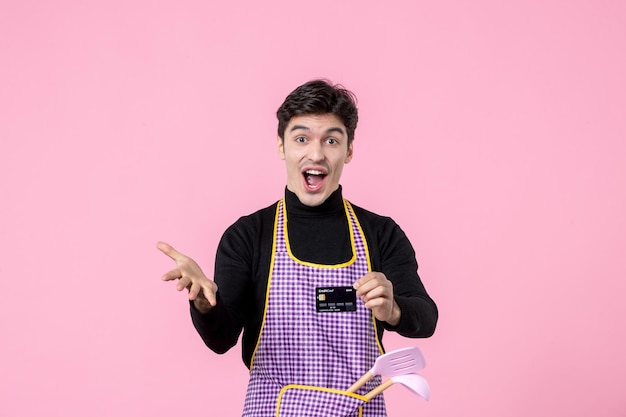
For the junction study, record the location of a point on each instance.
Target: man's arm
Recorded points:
(394, 288)
(419, 312)
(218, 326)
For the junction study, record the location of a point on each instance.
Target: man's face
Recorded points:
(315, 149)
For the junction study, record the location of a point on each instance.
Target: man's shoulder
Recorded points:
(380, 229)
(367, 215)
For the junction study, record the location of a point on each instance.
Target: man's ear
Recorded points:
(281, 147)
(350, 153)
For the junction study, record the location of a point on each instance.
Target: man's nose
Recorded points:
(316, 151)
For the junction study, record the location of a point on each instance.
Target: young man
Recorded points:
(311, 280)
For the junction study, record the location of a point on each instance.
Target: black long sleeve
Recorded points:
(317, 234)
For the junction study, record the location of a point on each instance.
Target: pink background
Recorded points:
(493, 132)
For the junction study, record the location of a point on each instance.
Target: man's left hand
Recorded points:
(376, 292)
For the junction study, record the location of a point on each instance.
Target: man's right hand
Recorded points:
(202, 291)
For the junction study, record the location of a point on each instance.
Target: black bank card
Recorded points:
(335, 299)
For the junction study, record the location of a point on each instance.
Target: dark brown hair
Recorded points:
(319, 97)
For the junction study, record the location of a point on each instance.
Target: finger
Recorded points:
(378, 277)
(377, 292)
(210, 295)
(172, 275)
(194, 291)
(169, 251)
(380, 309)
(375, 303)
(203, 291)
(183, 282)
(368, 286)
(361, 281)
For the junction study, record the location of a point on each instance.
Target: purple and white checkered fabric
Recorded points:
(300, 346)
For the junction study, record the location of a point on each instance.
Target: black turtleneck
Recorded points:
(316, 234)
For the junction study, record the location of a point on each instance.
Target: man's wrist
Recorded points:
(203, 306)
(396, 314)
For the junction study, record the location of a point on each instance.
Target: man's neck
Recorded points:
(333, 203)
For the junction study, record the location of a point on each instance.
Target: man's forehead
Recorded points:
(326, 122)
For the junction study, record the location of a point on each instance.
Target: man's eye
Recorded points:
(300, 139)
(331, 141)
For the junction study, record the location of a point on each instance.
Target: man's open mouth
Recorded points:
(314, 178)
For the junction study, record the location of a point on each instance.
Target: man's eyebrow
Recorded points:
(299, 127)
(335, 129)
(329, 130)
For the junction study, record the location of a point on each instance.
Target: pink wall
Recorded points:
(493, 132)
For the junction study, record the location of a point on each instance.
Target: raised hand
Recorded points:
(202, 291)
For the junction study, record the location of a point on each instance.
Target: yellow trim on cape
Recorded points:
(314, 388)
(369, 269)
(267, 290)
(312, 264)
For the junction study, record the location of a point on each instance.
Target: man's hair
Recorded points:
(319, 97)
